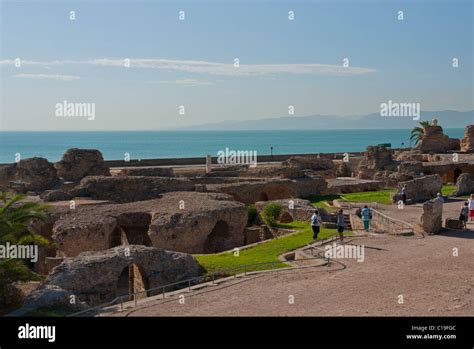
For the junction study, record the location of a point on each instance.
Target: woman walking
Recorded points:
(366, 217)
(340, 224)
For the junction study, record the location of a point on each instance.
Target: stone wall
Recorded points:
(189, 222)
(432, 216)
(464, 185)
(94, 278)
(421, 189)
(129, 188)
(271, 189)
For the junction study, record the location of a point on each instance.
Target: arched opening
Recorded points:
(236, 197)
(217, 240)
(117, 237)
(132, 229)
(286, 217)
(263, 196)
(457, 173)
(132, 281)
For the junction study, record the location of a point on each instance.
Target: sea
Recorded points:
(140, 145)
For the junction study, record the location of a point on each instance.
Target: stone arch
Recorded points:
(236, 197)
(263, 196)
(456, 173)
(217, 240)
(286, 217)
(132, 229)
(131, 280)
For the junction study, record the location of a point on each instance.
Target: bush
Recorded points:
(271, 213)
(252, 214)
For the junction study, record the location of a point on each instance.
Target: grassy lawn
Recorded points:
(321, 201)
(448, 190)
(379, 196)
(264, 252)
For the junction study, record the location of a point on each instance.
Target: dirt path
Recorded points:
(432, 281)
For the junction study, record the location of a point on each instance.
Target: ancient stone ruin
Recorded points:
(79, 163)
(420, 189)
(432, 216)
(434, 140)
(188, 222)
(467, 143)
(33, 174)
(377, 158)
(95, 278)
(464, 184)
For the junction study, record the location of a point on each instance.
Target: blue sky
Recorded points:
(190, 62)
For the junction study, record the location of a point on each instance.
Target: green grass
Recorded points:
(264, 252)
(321, 201)
(379, 196)
(41, 312)
(448, 190)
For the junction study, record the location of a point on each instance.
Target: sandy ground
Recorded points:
(424, 271)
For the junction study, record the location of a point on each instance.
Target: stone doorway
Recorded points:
(132, 280)
(217, 240)
(132, 229)
(456, 174)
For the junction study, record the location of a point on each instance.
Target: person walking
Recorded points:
(403, 194)
(366, 217)
(439, 197)
(470, 205)
(316, 224)
(340, 222)
(463, 216)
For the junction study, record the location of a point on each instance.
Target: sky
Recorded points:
(190, 63)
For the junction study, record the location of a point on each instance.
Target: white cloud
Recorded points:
(183, 82)
(228, 69)
(213, 68)
(48, 76)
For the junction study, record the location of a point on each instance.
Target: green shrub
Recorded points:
(271, 213)
(252, 214)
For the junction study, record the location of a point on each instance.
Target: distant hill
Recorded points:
(446, 118)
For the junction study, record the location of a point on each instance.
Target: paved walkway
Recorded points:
(424, 271)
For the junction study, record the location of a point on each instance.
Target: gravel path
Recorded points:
(431, 280)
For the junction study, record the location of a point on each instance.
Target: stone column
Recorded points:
(208, 163)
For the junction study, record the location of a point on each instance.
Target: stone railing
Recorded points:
(382, 223)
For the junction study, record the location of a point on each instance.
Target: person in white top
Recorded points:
(440, 197)
(470, 205)
(315, 224)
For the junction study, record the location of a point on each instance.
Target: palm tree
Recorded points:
(14, 219)
(14, 229)
(418, 133)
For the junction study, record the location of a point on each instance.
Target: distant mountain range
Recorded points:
(446, 118)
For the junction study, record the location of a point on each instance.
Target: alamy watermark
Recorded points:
(237, 157)
(11, 251)
(335, 251)
(395, 109)
(69, 109)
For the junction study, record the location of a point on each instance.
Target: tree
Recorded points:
(15, 230)
(418, 133)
